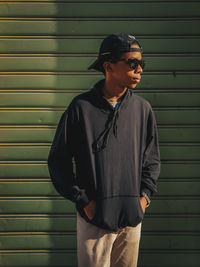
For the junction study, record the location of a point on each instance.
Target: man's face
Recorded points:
(122, 74)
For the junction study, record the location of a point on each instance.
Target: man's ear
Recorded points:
(107, 66)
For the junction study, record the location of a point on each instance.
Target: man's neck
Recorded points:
(112, 92)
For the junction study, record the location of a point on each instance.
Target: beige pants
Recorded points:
(102, 248)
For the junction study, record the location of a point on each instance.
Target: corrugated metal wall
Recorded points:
(45, 48)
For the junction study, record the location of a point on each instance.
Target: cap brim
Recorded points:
(96, 65)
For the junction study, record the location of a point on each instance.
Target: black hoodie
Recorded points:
(116, 156)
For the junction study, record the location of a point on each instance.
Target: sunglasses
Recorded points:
(133, 63)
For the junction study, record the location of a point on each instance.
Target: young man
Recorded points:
(112, 136)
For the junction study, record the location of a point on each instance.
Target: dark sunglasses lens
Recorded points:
(133, 63)
(142, 64)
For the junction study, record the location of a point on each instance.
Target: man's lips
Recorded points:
(136, 80)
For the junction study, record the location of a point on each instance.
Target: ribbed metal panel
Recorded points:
(45, 48)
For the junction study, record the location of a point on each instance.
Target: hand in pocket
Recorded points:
(143, 203)
(90, 209)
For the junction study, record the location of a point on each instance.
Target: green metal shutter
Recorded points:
(45, 49)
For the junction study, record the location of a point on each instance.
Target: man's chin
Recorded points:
(133, 85)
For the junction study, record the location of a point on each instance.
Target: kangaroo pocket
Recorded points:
(116, 212)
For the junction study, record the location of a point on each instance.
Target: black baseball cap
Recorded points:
(112, 46)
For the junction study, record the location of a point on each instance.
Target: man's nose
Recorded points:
(138, 69)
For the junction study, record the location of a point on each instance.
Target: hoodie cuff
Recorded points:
(80, 197)
(83, 201)
(147, 191)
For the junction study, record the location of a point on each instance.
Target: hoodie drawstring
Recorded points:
(102, 140)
